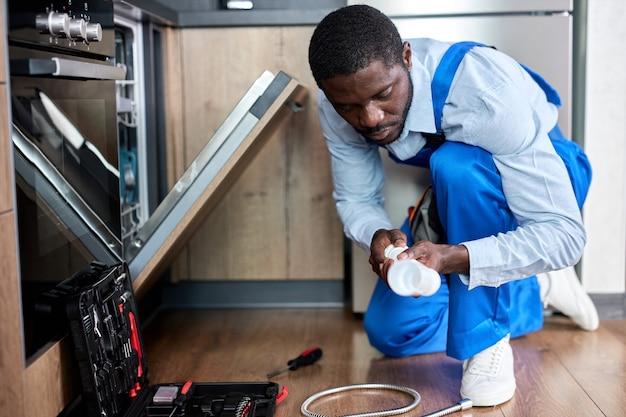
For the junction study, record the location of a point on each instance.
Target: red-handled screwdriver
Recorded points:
(308, 357)
(181, 399)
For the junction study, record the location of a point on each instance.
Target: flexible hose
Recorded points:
(391, 412)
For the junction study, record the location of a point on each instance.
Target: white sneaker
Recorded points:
(488, 376)
(563, 291)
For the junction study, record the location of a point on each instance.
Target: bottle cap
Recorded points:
(392, 252)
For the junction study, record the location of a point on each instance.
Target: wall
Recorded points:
(278, 221)
(604, 262)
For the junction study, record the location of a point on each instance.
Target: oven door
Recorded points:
(66, 107)
(67, 180)
(58, 235)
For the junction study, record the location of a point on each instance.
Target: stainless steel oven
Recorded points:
(63, 72)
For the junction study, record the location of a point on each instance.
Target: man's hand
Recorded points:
(444, 259)
(383, 238)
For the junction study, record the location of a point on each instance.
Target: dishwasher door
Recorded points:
(536, 33)
(268, 101)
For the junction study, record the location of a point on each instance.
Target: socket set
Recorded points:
(100, 309)
(205, 399)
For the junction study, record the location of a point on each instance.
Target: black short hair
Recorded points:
(349, 39)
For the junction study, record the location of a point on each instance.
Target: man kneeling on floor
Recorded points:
(508, 189)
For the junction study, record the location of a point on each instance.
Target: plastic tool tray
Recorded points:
(104, 325)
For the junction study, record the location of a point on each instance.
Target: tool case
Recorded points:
(102, 315)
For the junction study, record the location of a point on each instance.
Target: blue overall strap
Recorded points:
(440, 87)
(444, 74)
(551, 94)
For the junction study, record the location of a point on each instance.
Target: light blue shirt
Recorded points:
(494, 104)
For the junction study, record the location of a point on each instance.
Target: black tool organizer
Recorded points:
(102, 315)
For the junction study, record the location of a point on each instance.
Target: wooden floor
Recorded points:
(561, 371)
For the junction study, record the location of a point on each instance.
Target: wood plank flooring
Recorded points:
(561, 371)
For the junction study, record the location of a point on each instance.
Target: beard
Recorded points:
(368, 132)
(407, 106)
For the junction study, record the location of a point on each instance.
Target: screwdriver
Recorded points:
(308, 357)
(182, 397)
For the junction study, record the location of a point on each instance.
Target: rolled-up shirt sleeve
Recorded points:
(358, 177)
(550, 233)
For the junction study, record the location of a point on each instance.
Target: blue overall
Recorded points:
(471, 205)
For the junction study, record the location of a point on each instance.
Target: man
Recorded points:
(508, 189)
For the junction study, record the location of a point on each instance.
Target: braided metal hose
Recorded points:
(460, 406)
(383, 413)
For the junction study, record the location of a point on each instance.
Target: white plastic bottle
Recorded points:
(408, 277)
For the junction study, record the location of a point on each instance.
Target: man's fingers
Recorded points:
(397, 237)
(414, 252)
(381, 268)
(385, 268)
(377, 257)
(383, 238)
(375, 265)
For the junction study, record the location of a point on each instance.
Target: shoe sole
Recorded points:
(492, 399)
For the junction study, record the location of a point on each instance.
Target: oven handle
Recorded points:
(61, 67)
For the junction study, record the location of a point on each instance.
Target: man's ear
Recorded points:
(406, 55)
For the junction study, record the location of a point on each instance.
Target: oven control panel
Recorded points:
(82, 25)
(62, 25)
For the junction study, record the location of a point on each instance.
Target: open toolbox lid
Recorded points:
(253, 120)
(99, 308)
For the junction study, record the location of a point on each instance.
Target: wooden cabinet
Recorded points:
(278, 221)
(11, 349)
